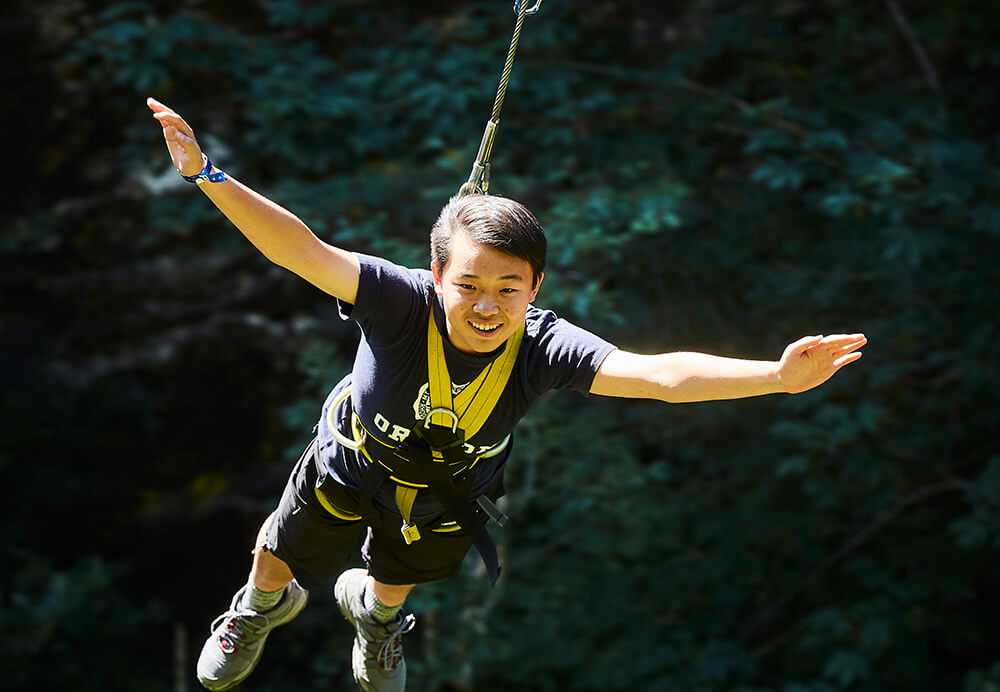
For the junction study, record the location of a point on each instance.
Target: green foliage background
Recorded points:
(714, 175)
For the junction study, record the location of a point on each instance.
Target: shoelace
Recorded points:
(241, 621)
(391, 651)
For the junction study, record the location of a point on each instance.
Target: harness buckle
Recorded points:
(410, 532)
(492, 511)
(438, 438)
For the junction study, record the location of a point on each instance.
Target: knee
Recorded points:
(262, 534)
(269, 572)
(391, 594)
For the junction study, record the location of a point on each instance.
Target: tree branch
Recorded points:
(684, 84)
(903, 24)
(846, 549)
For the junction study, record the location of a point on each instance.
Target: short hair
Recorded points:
(496, 221)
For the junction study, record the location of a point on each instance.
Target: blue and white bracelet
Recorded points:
(205, 174)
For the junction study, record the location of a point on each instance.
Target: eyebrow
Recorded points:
(505, 277)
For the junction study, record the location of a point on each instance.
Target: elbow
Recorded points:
(671, 397)
(678, 391)
(283, 260)
(668, 394)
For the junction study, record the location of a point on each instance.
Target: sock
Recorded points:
(378, 610)
(260, 601)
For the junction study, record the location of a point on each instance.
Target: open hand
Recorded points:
(181, 142)
(812, 360)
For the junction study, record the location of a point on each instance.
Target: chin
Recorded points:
(486, 343)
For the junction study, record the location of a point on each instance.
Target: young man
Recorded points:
(411, 446)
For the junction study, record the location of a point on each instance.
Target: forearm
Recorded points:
(682, 377)
(686, 377)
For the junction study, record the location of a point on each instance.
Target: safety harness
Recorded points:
(432, 457)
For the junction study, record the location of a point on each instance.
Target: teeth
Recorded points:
(485, 327)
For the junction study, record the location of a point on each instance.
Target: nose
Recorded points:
(486, 305)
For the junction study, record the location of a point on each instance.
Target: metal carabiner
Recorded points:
(530, 10)
(446, 411)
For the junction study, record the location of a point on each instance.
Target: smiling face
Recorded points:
(485, 292)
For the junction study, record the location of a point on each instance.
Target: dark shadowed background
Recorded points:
(713, 175)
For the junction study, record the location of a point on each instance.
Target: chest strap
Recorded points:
(361, 439)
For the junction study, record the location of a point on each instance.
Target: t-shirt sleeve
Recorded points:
(565, 356)
(390, 300)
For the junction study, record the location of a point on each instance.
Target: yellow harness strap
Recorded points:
(468, 411)
(404, 500)
(476, 402)
(334, 509)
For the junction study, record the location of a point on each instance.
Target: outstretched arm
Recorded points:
(686, 377)
(277, 233)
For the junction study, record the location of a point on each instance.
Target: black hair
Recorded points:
(498, 222)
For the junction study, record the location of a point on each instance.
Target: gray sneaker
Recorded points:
(377, 657)
(238, 635)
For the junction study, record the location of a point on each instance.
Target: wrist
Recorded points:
(200, 166)
(208, 174)
(777, 381)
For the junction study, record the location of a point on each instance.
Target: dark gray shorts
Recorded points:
(317, 545)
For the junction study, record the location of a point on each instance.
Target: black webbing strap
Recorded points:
(454, 497)
(372, 479)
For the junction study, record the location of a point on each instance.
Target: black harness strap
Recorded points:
(454, 496)
(451, 491)
(373, 479)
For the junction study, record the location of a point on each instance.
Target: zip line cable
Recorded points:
(479, 178)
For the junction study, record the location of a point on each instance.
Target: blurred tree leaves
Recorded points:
(714, 176)
(54, 615)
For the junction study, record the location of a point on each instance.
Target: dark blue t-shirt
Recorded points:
(389, 381)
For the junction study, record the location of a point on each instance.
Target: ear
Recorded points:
(538, 285)
(438, 278)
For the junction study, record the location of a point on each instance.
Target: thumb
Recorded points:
(804, 344)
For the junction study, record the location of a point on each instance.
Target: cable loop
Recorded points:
(517, 6)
